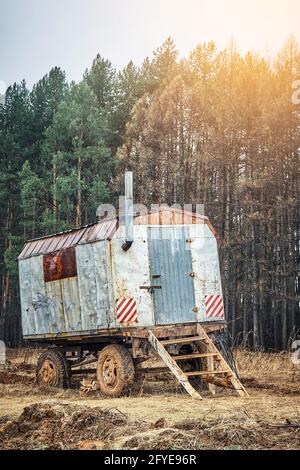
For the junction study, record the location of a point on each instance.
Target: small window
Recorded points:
(60, 265)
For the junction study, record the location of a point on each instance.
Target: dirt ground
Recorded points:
(157, 414)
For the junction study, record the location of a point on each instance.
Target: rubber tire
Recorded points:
(61, 366)
(124, 370)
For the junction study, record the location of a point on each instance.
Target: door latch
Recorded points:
(150, 288)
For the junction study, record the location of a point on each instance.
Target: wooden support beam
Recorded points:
(210, 368)
(184, 357)
(187, 340)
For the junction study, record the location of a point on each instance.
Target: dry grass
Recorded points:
(23, 355)
(62, 425)
(260, 363)
(273, 371)
(157, 414)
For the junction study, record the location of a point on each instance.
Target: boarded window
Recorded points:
(60, 265)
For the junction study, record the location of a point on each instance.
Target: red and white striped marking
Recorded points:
(214, 306)
(126, 310)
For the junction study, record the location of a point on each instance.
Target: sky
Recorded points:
(36, 35)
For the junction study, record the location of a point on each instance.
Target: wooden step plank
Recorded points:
(190, 339)
(172, 365)
(206, 372)
(152, 370)
(184, 357)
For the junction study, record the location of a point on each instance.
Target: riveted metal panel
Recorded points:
(171, 269)
(93, 285)
(28, 319)
(39, 296)
(103, 283)
(87, 286)
(71, 304)
(44, 310)
(56, 322)
(205, 261)
(131, 274)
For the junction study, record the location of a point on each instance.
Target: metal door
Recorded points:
(171, 274)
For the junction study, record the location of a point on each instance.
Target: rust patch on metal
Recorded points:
(60, 265)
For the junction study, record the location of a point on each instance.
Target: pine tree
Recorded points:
(81, 165)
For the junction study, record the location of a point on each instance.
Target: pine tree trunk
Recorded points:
(78, 205)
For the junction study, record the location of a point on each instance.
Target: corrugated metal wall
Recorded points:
(28, 319)
(74, 304)
(94, 284)
(171, 270)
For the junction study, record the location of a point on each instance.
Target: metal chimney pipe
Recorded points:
(128, 211)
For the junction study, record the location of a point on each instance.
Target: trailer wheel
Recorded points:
(115, 370)
(52, 369)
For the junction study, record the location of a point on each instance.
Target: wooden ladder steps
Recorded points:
(209, 351)
(206, 372)
(187, 340)
(184, 357)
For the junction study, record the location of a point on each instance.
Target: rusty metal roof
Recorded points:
(51, 243)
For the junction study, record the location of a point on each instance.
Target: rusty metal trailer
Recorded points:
(120, 293)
